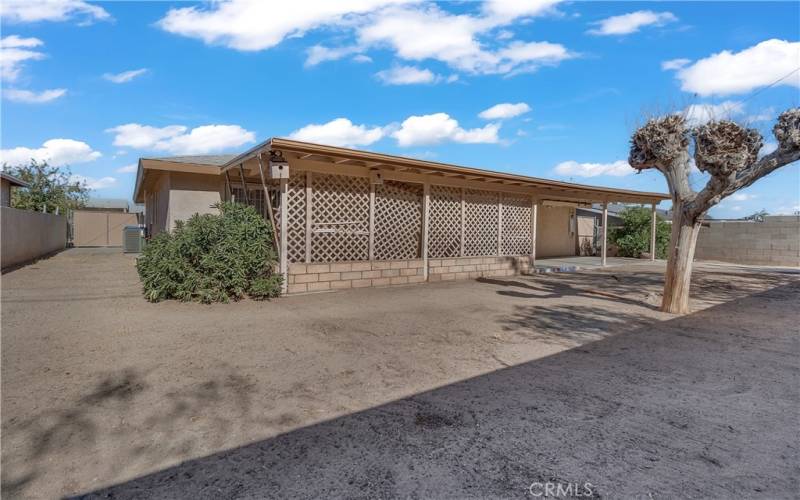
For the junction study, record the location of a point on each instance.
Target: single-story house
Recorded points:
(349, 218)
(8, 181)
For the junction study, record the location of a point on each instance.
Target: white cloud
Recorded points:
(29, 11)
(768, 148)
(29, 96)
(511, 9)
(729, 72)
(406, 75)
(414, 30)
(440, 127)
(764, 115)
(14, 51)
(674, 64)
(504, 110)
(251, 25)
(428, 32)
(571, 168)
(125, 76)
(698, 114)
(128, 169)
(55, 151)
(175, 138)
(134, 135)
(741, 197)
(94, 183)
(339, 132)
(319, 53)
(632, 22)
(362, 58)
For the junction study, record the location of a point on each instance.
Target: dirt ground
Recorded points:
(466, 389)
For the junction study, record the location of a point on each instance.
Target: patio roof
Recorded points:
(346, 156)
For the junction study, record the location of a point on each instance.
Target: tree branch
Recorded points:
(661, 144)
(729, 153)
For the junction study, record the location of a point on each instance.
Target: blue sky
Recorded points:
(98, 85)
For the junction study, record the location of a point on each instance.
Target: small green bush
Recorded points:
(633, 237)
(212, 258)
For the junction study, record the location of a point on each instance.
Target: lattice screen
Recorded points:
(296, 223)
(444, 229)
(480, 222)
(340, 218)
(516, 235)
(398, 220)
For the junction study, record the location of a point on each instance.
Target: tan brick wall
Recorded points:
(776, 241)
(305, 278)
(461, 268)
(338, 275)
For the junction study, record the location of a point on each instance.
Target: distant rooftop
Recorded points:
(215, 160)
(116, 203)
(14, 181)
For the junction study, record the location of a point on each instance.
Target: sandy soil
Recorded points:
(100, 387)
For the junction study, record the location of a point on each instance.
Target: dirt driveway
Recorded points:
(100, 387)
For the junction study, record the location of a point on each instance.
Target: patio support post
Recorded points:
(653, 234)
(463, 216)
(534, 214)
(267, 201)
(227, 187)
(244, 185)
(605, 234)
(426, 215)
(372, 221)
(499, 224)
(309, 212)
(284, 260)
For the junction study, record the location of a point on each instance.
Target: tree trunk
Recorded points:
(679, 262)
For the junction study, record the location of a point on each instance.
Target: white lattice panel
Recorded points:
(398, 220)
(444, 228)
(340, 218)
(516, 234)
(296, 220)
(480, 222)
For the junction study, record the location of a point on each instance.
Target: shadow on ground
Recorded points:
(703, 405)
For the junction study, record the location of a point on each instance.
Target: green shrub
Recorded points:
(633, 237)
(212, 258)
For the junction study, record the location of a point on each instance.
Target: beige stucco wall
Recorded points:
(5, 192)
(190, 194)
(157, 205)
(555, 232)
(26, 235)
(776, 241)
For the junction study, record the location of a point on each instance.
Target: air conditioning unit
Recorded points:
(132, 239)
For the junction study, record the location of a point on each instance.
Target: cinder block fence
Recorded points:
(775, 241)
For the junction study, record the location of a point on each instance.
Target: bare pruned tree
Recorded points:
(725, 150)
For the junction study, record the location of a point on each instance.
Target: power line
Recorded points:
(779, 80)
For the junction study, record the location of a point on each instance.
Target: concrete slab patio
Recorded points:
(460, 389)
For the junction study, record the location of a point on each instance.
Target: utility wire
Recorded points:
(779, 80)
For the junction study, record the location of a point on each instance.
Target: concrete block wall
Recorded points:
(774, 242)
(462, 268)
(320, 277)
